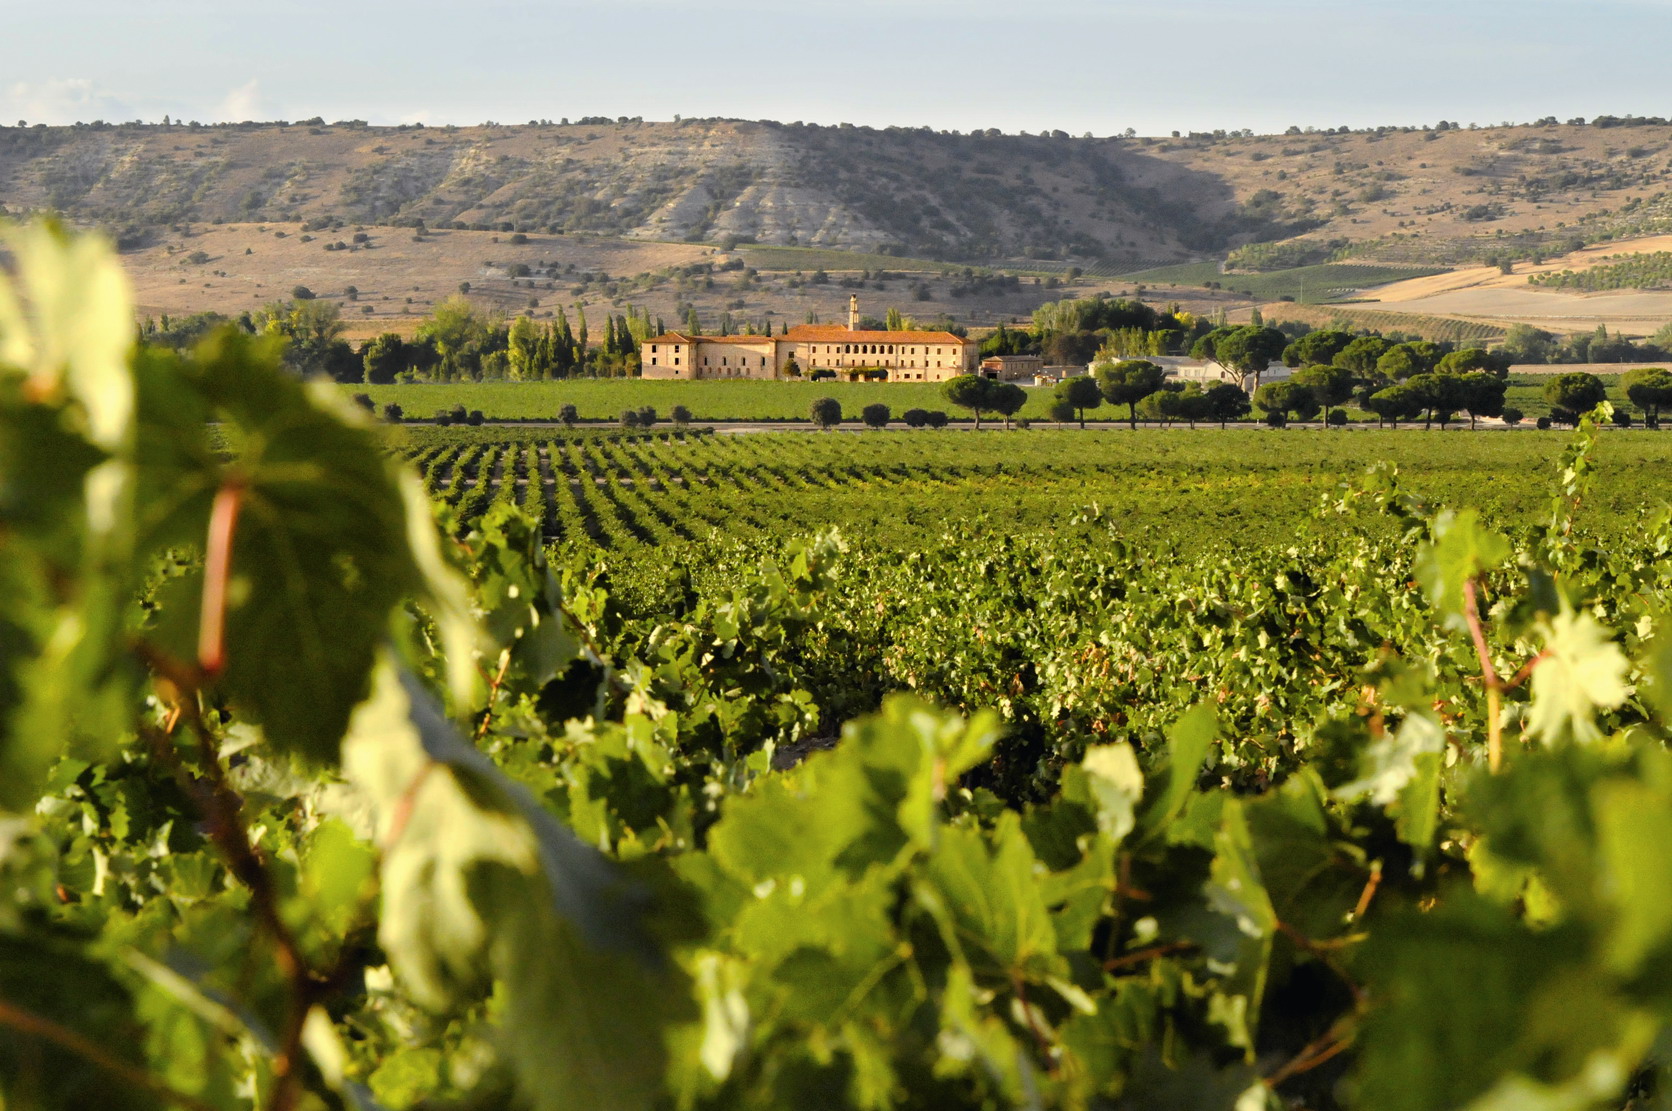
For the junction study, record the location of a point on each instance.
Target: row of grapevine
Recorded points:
(307, 804)
(629, 492)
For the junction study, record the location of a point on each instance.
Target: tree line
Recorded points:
(458, 342)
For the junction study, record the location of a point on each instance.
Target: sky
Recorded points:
(1078, 65)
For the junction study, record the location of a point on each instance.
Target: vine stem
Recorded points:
(222, 810)
(217, 573)
(1019, 986)
(494, 686)
(28, 1022)
(1337, 1038)
(1489, 674)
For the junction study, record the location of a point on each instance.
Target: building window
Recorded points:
(653, 360)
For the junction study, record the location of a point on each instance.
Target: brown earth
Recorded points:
(398, 278)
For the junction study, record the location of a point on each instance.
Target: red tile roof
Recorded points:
(818, 333)
(836, 333)
(681, 337)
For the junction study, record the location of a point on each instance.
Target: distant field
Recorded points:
(605, 399)
(814, 258)
(1309, 284)
(1427, 326)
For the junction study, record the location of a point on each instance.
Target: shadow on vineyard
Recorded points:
(306, 802)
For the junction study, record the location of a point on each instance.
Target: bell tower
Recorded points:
(853, 312)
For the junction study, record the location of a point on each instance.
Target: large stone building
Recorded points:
(852, 354)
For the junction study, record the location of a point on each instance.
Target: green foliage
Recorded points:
(1288, 398)
(1127, 383)
(1329, 385)
(826, 412)
(303, 806)
(1573, 393)
(1313, 284)
(1651, 270)
(974, 392)
(1650, 389)
(1079, 394)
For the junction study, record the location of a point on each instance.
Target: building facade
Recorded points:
(1013, 368)
(850, 353)
(1207, 373)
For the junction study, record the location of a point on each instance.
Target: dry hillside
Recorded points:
(1397, 194)
(614, 213)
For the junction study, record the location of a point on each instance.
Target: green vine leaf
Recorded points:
(480, 885)
(1583, 672)
(1461, 549)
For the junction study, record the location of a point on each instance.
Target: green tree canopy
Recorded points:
(1250, 350)
(1007, 399)
(383, 357)
(1650, 389)
(1129, 382)
(1288, 397)
(1399, 362)
(1572, 394)
(1079, 393)
(1226, 402)
(1441, 395)
(826, 413)
(1317, 347)
(1361, 355)
(1467, 359)
(1331, 385)
(1395, 403)
(970, 391)
(1483, 394)
(1524, 343)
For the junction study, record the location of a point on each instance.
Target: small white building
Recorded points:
(1208, 373)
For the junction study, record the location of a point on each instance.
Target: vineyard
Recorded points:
(605, 399)
(628, 492)
(1439, 329)
(1322, 283)
(1652, 270)
(316, 795)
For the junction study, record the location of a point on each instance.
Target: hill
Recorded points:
(739, 217)
(1397, 194)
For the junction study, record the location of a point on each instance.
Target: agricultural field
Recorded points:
(347, 765)
(1466, 333)
(1175, 491)
(1318, 284)
(1607, 284)
(1642, 271)
(605, 399)
(809, 259)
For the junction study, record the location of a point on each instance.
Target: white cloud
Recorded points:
(60, 101)
(245, 103)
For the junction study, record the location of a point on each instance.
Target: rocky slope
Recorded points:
(1405, 194)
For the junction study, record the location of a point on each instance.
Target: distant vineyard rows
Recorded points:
(1647, 271)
